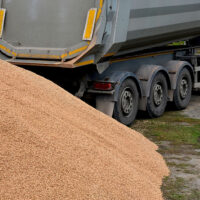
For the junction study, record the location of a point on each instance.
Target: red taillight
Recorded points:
(102, 86)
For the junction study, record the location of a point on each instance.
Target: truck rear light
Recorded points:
(102, 86)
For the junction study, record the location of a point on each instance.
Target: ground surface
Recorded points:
(178, 135)
(193, 109)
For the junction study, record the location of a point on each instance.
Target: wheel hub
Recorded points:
(184, 88)
(158, 94)
(127, 102)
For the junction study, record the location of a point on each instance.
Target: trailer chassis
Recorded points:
(159, 77)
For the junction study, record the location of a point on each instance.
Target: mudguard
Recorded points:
(174, 68)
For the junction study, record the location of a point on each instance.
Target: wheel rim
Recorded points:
(158, 94)
(127, 102)
(184, 88)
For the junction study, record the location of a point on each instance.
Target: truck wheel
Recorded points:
(183, 92)
(126, 107)
(157, 100)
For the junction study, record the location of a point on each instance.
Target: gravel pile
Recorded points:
(54, 146)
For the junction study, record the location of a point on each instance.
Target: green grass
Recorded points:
(179, 165)
(173, 190)
(172, 127)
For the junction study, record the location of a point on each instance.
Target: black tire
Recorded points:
(158, 98)
(183, 92)
(126, 107)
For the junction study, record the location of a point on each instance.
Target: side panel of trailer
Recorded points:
(155, 22)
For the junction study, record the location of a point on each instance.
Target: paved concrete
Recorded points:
(193, 109)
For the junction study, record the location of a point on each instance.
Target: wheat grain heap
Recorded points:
(54, 146)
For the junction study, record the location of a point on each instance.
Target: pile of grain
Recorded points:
(54, 146)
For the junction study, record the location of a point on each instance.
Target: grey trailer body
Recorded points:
(155, 21)
(48, 32)
(117, 40)
(44, 30)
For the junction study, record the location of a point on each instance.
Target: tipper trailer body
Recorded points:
(122, 53)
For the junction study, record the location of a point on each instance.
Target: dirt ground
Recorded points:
(193, 109)
(178, 136)
(185, 163)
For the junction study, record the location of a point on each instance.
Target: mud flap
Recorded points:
(105, 104)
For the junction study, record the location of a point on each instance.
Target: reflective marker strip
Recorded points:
(2, 18)
(88, 62)
(99, 10)
(78, 50)
(89, 28)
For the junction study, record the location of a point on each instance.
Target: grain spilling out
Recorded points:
(54, 146)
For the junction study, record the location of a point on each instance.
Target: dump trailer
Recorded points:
(127, 55)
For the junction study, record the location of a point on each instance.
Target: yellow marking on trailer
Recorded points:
(88, 62)
(109, 54)
(5, 49)
(38, 56)
(45, 56)
(55, 57)
(2, 19)
(64, 55)
(101, 3)
(98, 14)
(99, 10)
(143, 56)
(198, 51)
(78, 50)
(14, 54)
(179, 43)
(89, 28)
(20, 55)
